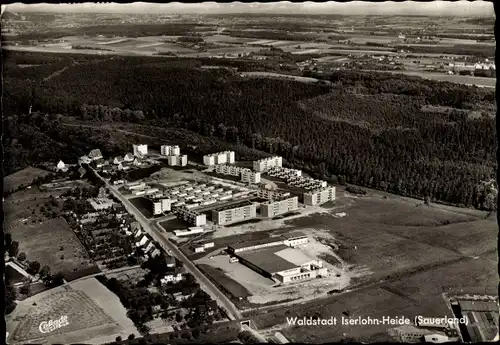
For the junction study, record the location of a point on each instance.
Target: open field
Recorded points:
(51, 243)
(229, 285)
(142, 205)
(22, 178)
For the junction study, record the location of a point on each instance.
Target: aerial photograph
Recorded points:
(274, 172)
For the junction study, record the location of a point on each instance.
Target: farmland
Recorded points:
(52, 243)
(22, 178)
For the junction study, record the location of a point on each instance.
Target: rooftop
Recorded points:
(267, 260)
(238, 205)
(466, 305)
(293, 256)
(246, 244)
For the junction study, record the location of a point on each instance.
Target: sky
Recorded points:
(435, 8)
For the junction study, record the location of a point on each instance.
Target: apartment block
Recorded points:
(190, 216)
(226, 157)
(247, 175)
(319, 196)
(275, 208)
(177, 160)
(140, 150)
(263, 165)
(234, 214)
(160, 205)
(169, 150)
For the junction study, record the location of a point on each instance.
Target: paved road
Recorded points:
(154, 231)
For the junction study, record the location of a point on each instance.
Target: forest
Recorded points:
(364, 129)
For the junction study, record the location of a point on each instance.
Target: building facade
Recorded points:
(177, 160)
(271, 194)
(276, 208)
(226, 157)
(319, 196)
(263, 165)
(247, 175)
(160, 206)
(190, 216)
(283, 173)
(169, 150)
(140, 150)
(234, 214)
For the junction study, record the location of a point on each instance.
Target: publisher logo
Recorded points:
(52, 325)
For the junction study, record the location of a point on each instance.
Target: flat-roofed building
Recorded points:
(159, 205)
(263, 165)
(319, 196)
(180, 160)
(295, 239)
(234, 213)
(170, 150)
(191, 216)
(271, 194)
(281, 172)
(283, 263)
(188, 232)
(226, 157)
(276, 208)
(99, 204)
(250, 177)
(140, 150)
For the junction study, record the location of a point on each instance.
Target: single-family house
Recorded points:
(84, 160)
(118, 160)
(129, 157)
(95, 155)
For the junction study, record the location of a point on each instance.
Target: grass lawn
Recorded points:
(22, 177)
(218, 276)
(143, 206)
(173, 224)
(52, 243)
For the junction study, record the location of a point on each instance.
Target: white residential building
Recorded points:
(262, 165)
(275, 208)
(188, 232)
(84, 160)
(171, 277)
(61, 165)
(177, 160)
(140, 150)
(247, 175)
(319, 196)
(168, 150)
(129, 157)
(226, 157)
(160, 206)
(101, 203)
(190, 216)
(95, 155)
(233, 214)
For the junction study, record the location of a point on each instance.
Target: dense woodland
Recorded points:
(364, 129)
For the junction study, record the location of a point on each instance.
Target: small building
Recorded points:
(140, 150)
(99, 204)
(129, 157)
(170, 261)
(95, 155)
(118, 160)
(171, 277)
(61, 166)
(188, 232)
(170, 150)
(84, 160)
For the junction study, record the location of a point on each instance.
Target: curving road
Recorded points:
(153, 229)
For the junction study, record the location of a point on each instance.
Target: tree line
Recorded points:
(366, 129)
